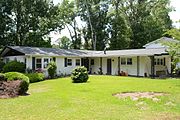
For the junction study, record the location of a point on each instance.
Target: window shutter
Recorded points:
(54, 59)
(65, 62)
(33, 63)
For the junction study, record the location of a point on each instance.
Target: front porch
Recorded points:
(148, 66)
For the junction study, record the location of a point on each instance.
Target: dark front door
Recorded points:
(85, 63)
(109, 66)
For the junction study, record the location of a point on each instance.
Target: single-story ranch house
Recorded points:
(153, 60)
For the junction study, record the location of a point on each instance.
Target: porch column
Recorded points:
(119, 65)
(137, 65)
(152, 67)
(101, 65)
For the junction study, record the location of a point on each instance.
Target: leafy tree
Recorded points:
(64, 43)
(120, 34)
(148, 20)
(173, 33)
(94, 14)
(28, 22)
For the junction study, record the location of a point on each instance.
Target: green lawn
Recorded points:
(60, 99)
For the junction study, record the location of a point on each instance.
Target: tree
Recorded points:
(94, 14)
(173, 33)
(119, 32)
(64, 43)
(29, 22)
(147, 19)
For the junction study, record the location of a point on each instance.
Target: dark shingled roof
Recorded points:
(83, 53)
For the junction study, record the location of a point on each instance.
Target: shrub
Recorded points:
(52, 69)
(35, 77)
(10, 76)
(14, 66)
(1, 65)
(2, 77)
(79, 75)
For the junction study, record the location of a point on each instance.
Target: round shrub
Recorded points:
(1, 65)
(10, 76)
(35, 77)
(79, 75)
(2, 77)
(14, 66)
(52, 69)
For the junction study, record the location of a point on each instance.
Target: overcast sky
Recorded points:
(175, 16)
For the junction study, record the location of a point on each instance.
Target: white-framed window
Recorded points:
(69, 62)
(78, 62)
(129, 61)
(123, 61)
(38, 63)
(159, 61)
(46, 62)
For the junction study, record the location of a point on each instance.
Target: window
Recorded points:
(123, 61)
(92, 61)
(69, 62)
(7, 60)
(38, 63)
(77, 62)
(159, 61)
(46, 62)
(129, 61)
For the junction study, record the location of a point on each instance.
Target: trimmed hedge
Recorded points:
(14, 66)
(35, 77)
(10, 76)
(79, 75)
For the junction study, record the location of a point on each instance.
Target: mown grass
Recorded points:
(60, 99)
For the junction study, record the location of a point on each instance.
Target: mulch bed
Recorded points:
(9, 89)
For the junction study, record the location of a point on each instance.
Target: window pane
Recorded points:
(38, 61)
(38, 65)
(69, 62)
(46, 62)
(158, 61)
(77, 62)
(129, 61)
(123, 61)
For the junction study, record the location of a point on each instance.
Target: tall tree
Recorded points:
(147, 19)
(94, 13)
(64, 43)
(31, 21)
(118, 28)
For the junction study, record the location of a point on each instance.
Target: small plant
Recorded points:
(1, 65)
(2, 77)
(14, 66)
(52, 69)
(79, 75)
(11, 76)
(35, 77)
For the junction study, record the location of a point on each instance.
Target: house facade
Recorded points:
(153, 60)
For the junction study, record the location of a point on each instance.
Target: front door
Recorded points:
(85, 63)
(109, 66)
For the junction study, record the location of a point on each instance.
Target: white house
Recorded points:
(153, 60)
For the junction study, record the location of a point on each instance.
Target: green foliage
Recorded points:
(1, 65)
(32, 21)
(64, 42)
(2, 77)
(173, 33)
(14, 66)
(35, 77)
(19, 76)
(174, 51)
(52, 69)
(79, 75)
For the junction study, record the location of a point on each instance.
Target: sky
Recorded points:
(174, 15)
